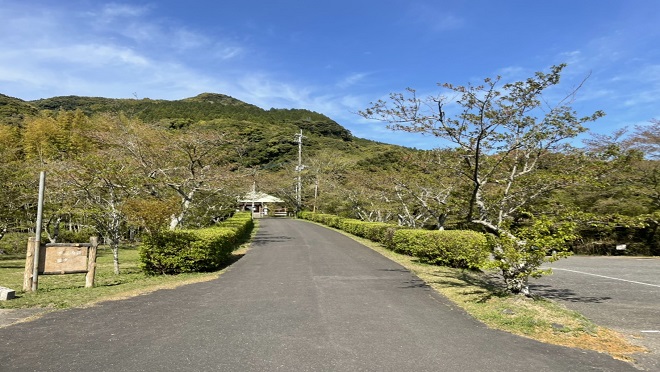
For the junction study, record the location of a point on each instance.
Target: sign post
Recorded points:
(37, 238)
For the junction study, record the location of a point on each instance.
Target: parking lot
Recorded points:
(621, 293)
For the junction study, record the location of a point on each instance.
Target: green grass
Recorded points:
(65, 291)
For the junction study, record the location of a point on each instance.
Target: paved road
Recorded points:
(622, 293)
(304, 298)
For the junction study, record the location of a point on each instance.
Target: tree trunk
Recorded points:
(176, 220)
(516, 284)
(115, 255)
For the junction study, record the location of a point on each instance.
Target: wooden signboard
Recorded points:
(64, 258)
(60, 258)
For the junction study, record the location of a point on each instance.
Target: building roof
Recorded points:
(259, 197)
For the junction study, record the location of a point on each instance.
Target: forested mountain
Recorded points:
(14, 110)
(117, 166)
(268, 134)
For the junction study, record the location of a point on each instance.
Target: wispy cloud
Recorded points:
(114, 10)
(110, 50)
(434, 18)
(351, 80)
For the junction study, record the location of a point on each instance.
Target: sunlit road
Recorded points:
(304, 298)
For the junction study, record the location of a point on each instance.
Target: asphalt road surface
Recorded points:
(622, 293)
(304, 298)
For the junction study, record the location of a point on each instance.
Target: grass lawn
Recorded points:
(64, 291)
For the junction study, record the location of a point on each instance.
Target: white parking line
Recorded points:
(608, 277)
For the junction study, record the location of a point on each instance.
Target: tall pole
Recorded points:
(254, 195)
(299, 169)
(37, 239)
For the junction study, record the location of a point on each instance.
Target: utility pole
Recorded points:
(299, 168)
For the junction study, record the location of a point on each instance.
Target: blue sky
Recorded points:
(333, 57)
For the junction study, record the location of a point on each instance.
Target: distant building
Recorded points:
(262, 205)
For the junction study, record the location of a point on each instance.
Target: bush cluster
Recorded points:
(208, 249)
(14, 243)
(380, 232)
(79, 236)
(455, 248)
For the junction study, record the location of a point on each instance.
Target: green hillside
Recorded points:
(268, 135)
(14, 110)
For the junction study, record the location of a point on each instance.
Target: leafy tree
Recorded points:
(103, 181)
(426, 184)
(18, 185)
(189, 163)
(503, 133)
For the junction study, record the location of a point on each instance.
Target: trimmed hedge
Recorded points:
(326, 219)
(380, 232)
(180, 251)
(455, 248)
(375, 231)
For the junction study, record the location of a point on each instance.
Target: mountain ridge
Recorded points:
(268, 134)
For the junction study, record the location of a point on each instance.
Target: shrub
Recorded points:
(325, 219)
(454, 248)
(79, 236)
(180, 251)
(14, 243)
(380, 232)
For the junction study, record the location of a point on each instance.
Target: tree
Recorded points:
(503, 134)
(646, 138)
(17, 197)
(103, 181)
(426, 184)
(190, 162)
(325, 170)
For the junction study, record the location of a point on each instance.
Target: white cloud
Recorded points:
(351, 80)
(434, 18)
(113, 10)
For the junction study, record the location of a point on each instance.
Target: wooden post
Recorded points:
(29, 265)
(91, 262)
(40, 208)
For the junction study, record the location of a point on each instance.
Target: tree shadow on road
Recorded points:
(415, 283)
(564, 294)
(268, 238)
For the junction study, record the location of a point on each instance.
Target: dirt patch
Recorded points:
(13, 316)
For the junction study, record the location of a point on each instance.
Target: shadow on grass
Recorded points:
(11, 265)
(482, 285)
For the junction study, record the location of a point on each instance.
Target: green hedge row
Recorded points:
(454, 248)
(180, 251)
(376, 231)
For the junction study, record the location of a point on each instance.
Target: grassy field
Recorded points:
(64, 291)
